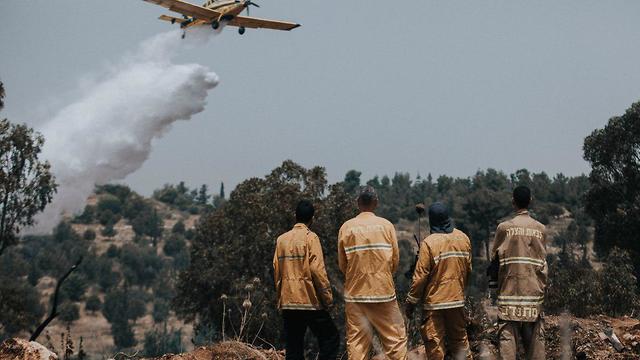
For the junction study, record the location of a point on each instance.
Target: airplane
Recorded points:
(218, 12)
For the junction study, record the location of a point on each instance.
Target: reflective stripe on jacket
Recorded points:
(442, 270)
(368, 257)
(299, 272)
(520, 252)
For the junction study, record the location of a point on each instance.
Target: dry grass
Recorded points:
(227, 350)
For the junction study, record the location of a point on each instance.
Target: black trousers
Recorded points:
(296, 323)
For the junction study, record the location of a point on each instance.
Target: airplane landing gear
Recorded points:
(215, 24)
(241, 30)
(184, 34)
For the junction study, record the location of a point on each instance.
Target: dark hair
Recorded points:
(522, 197)
(304, 211)
(368, 196)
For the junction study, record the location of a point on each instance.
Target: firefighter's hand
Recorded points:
(408, 309)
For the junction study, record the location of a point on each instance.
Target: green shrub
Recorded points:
(160, 311)
(111, 203)
(160, 342)
(619, 284)
(89, 235)
(75, 286)
(88, 216)
(109, 231)
(174, 245)
(112, 251)
(178, 228)
(93, 304)
(69, 312)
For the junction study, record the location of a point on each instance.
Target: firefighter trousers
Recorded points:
(296, 323)
(444, 330)
(515, 334)
(362, 319)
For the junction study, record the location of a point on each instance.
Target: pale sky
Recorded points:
(446, 87)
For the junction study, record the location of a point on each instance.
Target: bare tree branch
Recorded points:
(54, 309)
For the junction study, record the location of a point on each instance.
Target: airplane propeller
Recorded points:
(248, 3)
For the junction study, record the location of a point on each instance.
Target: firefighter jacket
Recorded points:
(442, 270)
(368, 257)
(519, 268)
(299, 272)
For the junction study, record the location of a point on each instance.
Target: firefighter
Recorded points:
(518, 273)
(303, 289)
(368, 257)
(438, 283)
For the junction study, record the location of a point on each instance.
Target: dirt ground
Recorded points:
(573, 338)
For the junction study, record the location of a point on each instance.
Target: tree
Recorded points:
(178, 228)
(123, 336)
(203, 197)
(26, 182)
(352, 181)
(619, 284)
(109, 202)
(220, 198)
(88, 215)
(20, 307)
(484, 205)
(89, 234)
(234, 244)
(1, 95)
(613, 199)
(117, 309)
(160, 311)
(93, 304)
(109, 231)
(160, 342)
(69, 312)
(148, 223)
(75, 287)
(174, 245)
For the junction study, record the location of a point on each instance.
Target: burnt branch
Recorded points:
(54, 309)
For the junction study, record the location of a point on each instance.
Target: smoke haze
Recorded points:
(108, 133)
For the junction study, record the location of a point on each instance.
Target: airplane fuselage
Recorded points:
(227, 9)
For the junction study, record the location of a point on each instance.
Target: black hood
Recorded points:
(439, 220)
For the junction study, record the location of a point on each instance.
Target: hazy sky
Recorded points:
(446, 87)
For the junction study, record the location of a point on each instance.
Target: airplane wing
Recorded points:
(177, 20)
(172, 19)
(188, 9)
(251, 22)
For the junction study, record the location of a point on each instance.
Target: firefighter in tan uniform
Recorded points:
(368, 256)
(438, 284)
(518, 273)
(303, 289)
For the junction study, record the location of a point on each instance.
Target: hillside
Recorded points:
(123, 238)
(185, 254)
(94, 328)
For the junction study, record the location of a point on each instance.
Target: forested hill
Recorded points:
(149, 264)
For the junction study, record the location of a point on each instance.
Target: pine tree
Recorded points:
(203, 197)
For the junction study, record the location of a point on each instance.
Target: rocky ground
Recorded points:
(566, 337)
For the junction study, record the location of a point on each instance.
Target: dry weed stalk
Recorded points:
(247, 311)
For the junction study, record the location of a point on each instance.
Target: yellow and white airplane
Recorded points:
(217, 12)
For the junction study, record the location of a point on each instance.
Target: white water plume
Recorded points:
(108, 132)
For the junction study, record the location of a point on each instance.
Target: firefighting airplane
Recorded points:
(217, 12)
